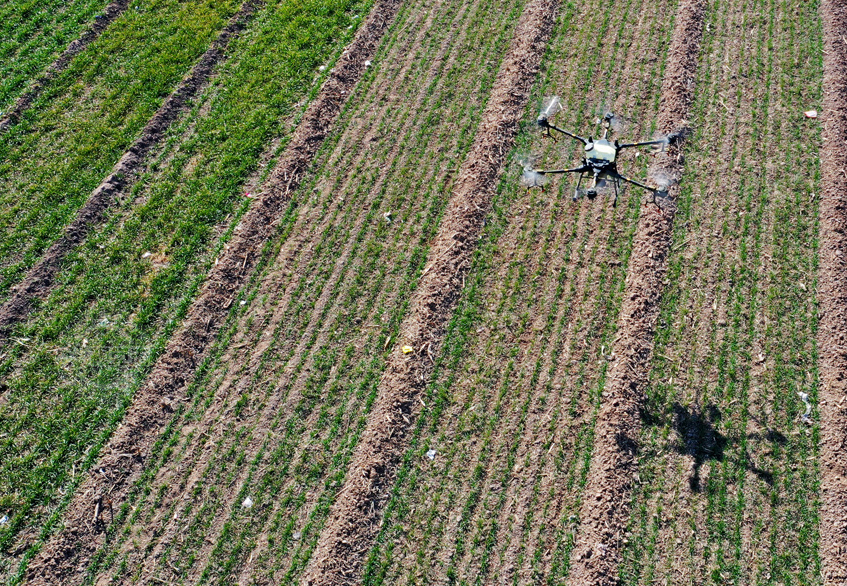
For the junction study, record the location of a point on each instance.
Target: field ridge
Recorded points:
(39, 280)
(832, 296)
(124, 458)
(604, 512)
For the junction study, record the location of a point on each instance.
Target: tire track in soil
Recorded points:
(64, 557)
(39, 280)
(110, 13)
(604, 511)
(352, 524)
(832, 296)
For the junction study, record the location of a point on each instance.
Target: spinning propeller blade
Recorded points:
(663, 182)
(549, 108)
(530, 177)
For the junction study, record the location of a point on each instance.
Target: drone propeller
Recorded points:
(530, 177)
(617, 123)
(663, 182)
(671, 138)
(550, 106)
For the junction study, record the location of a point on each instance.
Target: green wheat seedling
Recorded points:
(33, 35)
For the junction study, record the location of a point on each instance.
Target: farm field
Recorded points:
(275, 307)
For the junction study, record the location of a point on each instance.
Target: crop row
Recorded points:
(73, 134)
(491, 485)
(73, 367)
(32, 35)
(729, 487)
(279, 405)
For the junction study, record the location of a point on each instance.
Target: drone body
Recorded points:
(599, 161)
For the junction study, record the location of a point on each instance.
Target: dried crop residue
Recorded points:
(64, 557)
(40, 278)
(604, 511)
(354, 517)
(832, 294)
(110, 13)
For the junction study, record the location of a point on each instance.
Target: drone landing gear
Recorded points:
(592, 192)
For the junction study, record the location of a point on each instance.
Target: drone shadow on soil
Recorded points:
(697, 438)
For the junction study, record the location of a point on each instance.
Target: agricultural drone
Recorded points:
(599, 161)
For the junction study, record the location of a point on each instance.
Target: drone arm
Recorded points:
(637, 183)
(543, 123)
(643, 143)
(559, 171)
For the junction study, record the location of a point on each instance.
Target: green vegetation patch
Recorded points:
(33, 33)
(729, 481)
(70, 138)
(73, 367)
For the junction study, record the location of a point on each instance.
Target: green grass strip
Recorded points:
(33, 33)
(80, 358)
(69, 139)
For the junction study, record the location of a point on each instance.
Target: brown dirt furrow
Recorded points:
(40, 278)
(604, 511)
(63, 559)
(110, 13)
(832, 295)
(354, 517)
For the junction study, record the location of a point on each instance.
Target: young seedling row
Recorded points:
(32, 33)
(38, 280)
(727, 481)
(122, 292)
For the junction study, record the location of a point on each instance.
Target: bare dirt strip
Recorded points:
(64, 558)
(110, 13)
(40, 278)
(604, 510)
(832, 294)
(354, 517)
